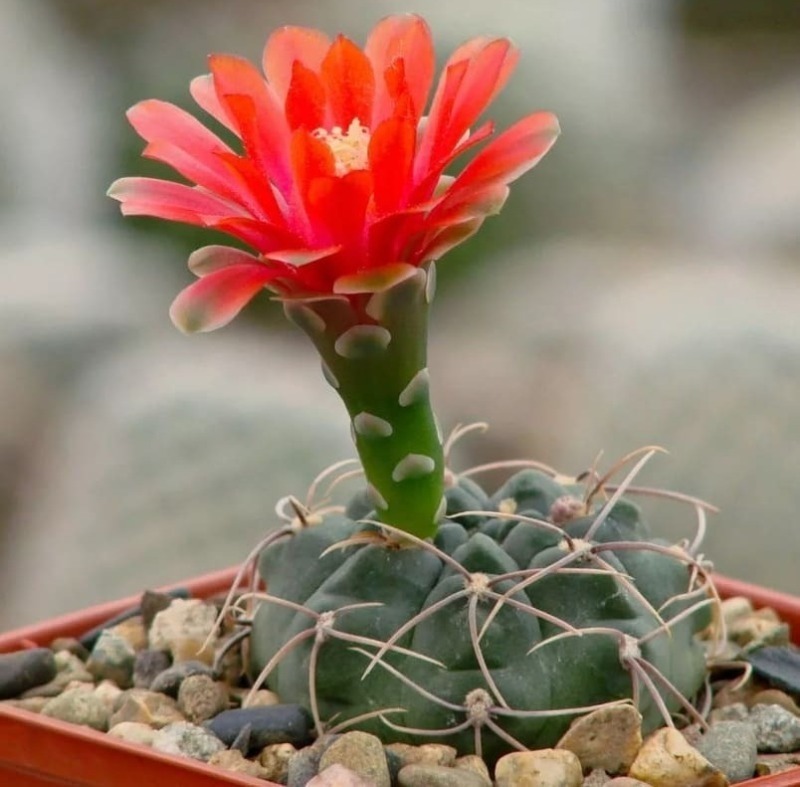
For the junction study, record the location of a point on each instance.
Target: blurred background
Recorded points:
(641, 286)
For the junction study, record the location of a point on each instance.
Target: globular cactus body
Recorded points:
(526, 622)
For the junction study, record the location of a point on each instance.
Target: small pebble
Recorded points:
(71, 645)
(109, 693)
(596, 778)
(112, 658)
(261, 699)
(667, 760)
(147, 665)
(362, 753)
(474, 764)
(542, 768)
(233, 761)
(274, 724)
(426, 754)
(302, 768)
(79, 706)
(730, 746)
(777, 729)
(25, 669)
(420, 775)
(607, 738)
(200, 698)
(151, 603)
(775, 697)
(183, 629)
(737, 711)
(758, 630)
(133, 732)
(338, 776)
(768, 764)
(274, 759)
(132, 631)
(169, 681)
(187, 740)
(148, 707)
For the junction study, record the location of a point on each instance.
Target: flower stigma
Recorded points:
(349, 148)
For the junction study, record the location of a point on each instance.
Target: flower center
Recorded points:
(349, 147)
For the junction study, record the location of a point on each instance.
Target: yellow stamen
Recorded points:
(349, 148)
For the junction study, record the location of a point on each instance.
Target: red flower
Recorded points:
(340, 172)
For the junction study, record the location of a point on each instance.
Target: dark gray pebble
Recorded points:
(169, 681)
(149, 664)
(779, 666)
(25, 669)
(303, 767)
(268, 724)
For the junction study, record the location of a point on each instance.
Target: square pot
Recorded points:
(36, 751)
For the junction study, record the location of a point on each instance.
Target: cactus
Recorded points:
(424, 609)
(493, 637)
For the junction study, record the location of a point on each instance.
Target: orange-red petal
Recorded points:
(287, 46)
(349, 83)
(475, 73)
(404, 38)
(339, 204)
(215, 299)
(205, 95)
(511, 154)
(260, 235)
(259, 118)
(164, 199)
(305, 100)
(391, 160)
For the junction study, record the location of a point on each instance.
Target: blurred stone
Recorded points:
(168, 462)
(147, 707)
(607, 738)
(187, 740)
(426, 754)
(112, 658)
(731, 747)
(79, 706)
(777, 729)
(360, 752)
(606, 346)
(274, 759)
(200, 698)
(133, 732)
(183, 629)
(24, 670)
(667, 760)
(233, 760)
(544, 768)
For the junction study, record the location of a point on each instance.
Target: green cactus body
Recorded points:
(372, 342)
(606, 618)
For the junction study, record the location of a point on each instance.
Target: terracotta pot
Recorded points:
(39, 752)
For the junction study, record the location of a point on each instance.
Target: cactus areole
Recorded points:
(426, 611)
